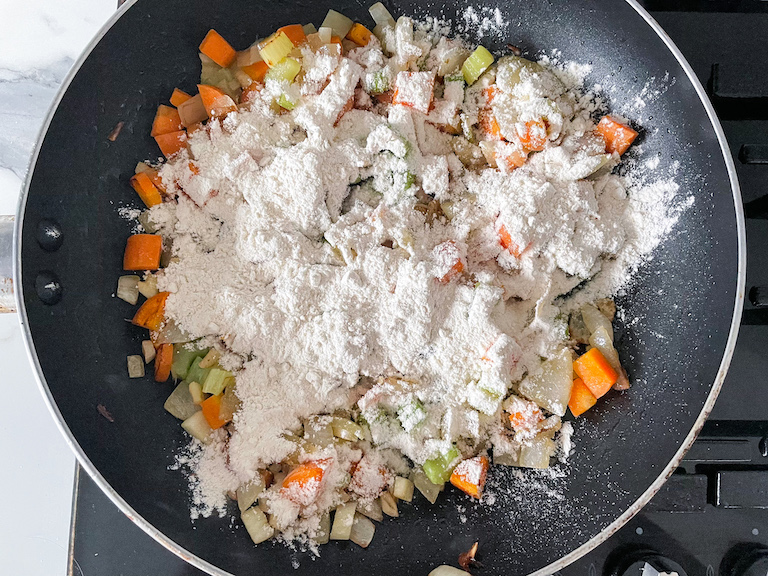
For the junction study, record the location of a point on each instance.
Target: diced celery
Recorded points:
(197, 427)
(477, 63)
(428, 489)
(135, 366)
(182, 361)
(217, 380)
(346, 429)
(457, 77)
(287, 69)
(362, 530)
(284, 102)
(389, 504)
(247, 494)
(381, 15)
(371, 509)
(538, 453)
(439, 469)
(550, 388)
(180, 402)
(210, 359)
(257, 525)
(411, 414)
(377, 82)
(323, 534)
(340, 24)
(195, 373)
(309, 29)
(343, 520)
(128, 289)
(403, 489)
(275, 48)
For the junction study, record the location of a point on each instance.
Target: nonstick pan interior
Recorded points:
(677, 314)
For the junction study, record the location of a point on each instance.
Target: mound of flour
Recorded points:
(319, 288)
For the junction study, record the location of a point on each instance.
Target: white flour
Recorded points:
(336, 295)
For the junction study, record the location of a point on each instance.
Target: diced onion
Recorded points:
(128, 289)
(594, 319)
(429, 490)
(322, 536)
(180, 403)
(247, 494)
(362, 531)
(538, 453)
(148, 287)
(381, 15)
(477, 63)
(325, 34)
(197, 427)
(257, 525)
(551, 387)
(210, 359)
(403, 489)
(343, 520)
(143, 167)
(346, 429)
(171, 333)
(446, 570)
(389, 504)
(309, 29)
(340, 24)
(371, 509)
(148, 349)
(192, 111)
(601, 339)
(196, 391)
(275, 48)
(318, 432)
(135, 366)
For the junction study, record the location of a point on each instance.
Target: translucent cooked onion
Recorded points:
(594, 319)
(389, 504)
(403, 489)
(371, 509)
(429, 490)
(148, 287)
(446, 570)
(197, 427)
(180, 403)
(135, 366)
(148, 349)
(381, 15)
(340, 24)
(362, 531)
(249, 493)
(256, 523)
(343, 520)
(171, 333)
(323, 534)
(128, 289)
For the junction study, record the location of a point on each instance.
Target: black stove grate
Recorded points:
(711, 517)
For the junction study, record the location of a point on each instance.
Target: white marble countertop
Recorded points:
(40, 41)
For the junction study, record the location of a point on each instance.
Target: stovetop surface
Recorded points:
(711, 517)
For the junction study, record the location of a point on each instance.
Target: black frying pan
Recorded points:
(687, 301)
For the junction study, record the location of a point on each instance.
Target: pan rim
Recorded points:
(553, 567)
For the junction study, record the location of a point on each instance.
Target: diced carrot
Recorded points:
(179, 97)
(217, 104)
(489, 93)
(511, 157)
(257, 71)
(146, 189)
(151, 314)
(596, 372)
(218, 49)
(195, 127)
(154, 176)
(302, 484)
(520, 419)
(172, 142)
(166, 120)
(295, 33)
(337, 40)
(508, 244)
(582, 398)
(469, 476)
(193, 168)
(618, 136)
(163, 361)
(347, 107)
(415, 89)
(212, 411)
(534, 136)
(455, 271)
(142, 252)
(250, 91)
(359, 34)
(192, 111)
(488, 124)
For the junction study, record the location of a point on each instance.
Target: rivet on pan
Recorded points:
(763, 446)
(48, 287)
(49, 235)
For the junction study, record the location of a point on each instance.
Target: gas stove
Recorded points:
(711, 517)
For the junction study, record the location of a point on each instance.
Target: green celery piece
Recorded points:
(216, 380)
(458, 77)
(197, 374)
(378, 82)
(287, 69)
(411, 415)
(476, 64)
(182, 360)
(283, 102)
(439, 469)
(410, 179)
